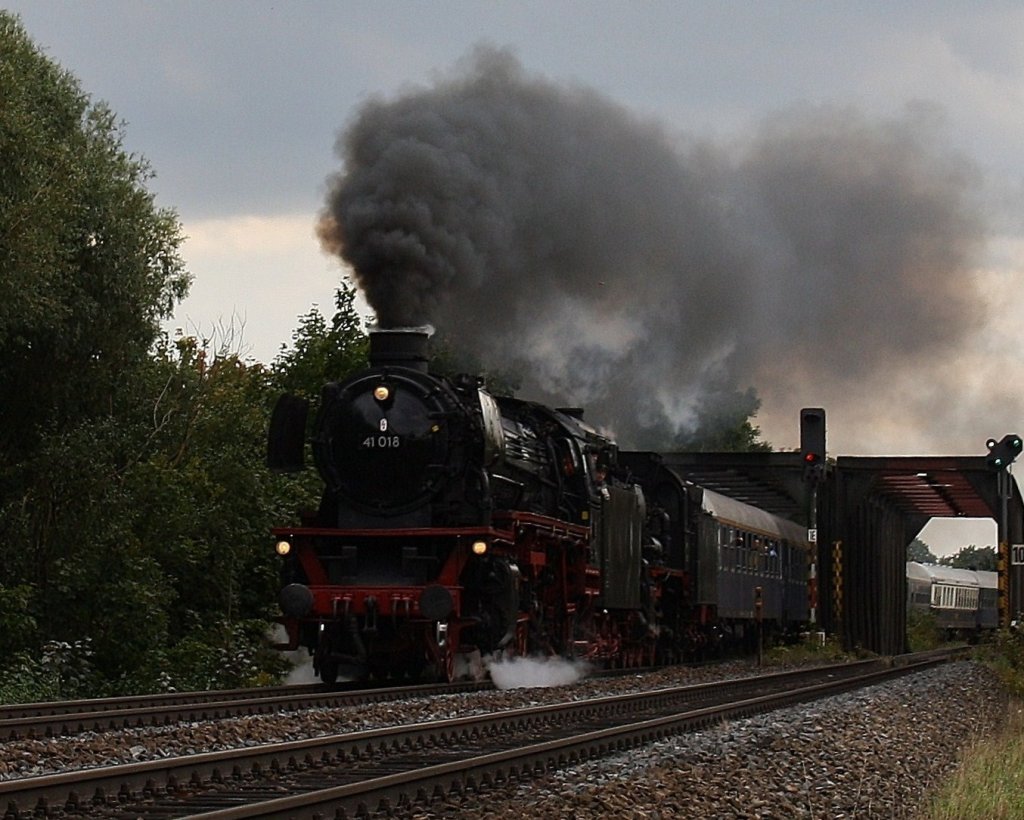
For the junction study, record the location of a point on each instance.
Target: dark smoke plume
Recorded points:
(649, 278)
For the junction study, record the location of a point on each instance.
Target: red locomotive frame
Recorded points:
(567, 622)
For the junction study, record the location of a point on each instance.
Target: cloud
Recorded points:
(257, 275)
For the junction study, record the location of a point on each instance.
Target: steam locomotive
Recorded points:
(457, 526)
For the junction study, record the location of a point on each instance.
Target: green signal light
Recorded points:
(1002, 453)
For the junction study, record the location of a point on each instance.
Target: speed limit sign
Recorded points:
(1017, 554)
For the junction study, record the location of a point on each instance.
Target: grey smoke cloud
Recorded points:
(651, 277)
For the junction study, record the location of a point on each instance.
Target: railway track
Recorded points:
(395, 768)
(58, 718)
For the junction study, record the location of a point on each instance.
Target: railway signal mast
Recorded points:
(812, 453)
(1001, 454)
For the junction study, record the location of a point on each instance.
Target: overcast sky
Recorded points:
(238, 106)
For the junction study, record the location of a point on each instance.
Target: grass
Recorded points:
(990, 780)
(808, 651)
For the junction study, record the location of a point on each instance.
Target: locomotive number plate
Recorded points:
(381, 442)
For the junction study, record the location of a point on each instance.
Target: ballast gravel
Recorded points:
(877, 752)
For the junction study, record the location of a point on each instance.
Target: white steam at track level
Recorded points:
(536, 673)
(653, 278)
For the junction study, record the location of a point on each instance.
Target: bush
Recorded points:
(807, 651)
(60, 671)
(922, 633)
(1005, 654)
(226, 657)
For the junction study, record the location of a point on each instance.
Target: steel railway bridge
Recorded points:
(864, 511)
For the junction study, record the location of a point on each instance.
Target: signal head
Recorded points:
(812, 442)
(1002, 453)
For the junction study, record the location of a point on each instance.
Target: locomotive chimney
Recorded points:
(400, 347)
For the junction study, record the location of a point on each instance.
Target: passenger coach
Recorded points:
(962, 601)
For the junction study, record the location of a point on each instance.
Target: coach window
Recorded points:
(742, 550)
(772, 547)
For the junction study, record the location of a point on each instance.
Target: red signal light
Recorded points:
(812, 442)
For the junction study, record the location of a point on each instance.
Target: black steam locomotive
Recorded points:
(456, 526)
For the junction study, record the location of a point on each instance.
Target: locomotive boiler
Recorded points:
(457, 526)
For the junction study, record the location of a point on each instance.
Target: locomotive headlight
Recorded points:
(282, 547)
(381, 392)
(479, 547)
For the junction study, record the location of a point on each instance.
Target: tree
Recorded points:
(88, 265)
(322, 352)
(723, 423)
(919, 551)
(88, 268)
(972, 557)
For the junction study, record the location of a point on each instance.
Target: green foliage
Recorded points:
(972, 557)
(922, 632)
(918, 550)
(322, 353)
(1005, 655)
(88, 264)
(18, 626)
(805, 652)
(226, 656)
(59, 671)
(135, 507)
(723, 423)
(987, 782)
